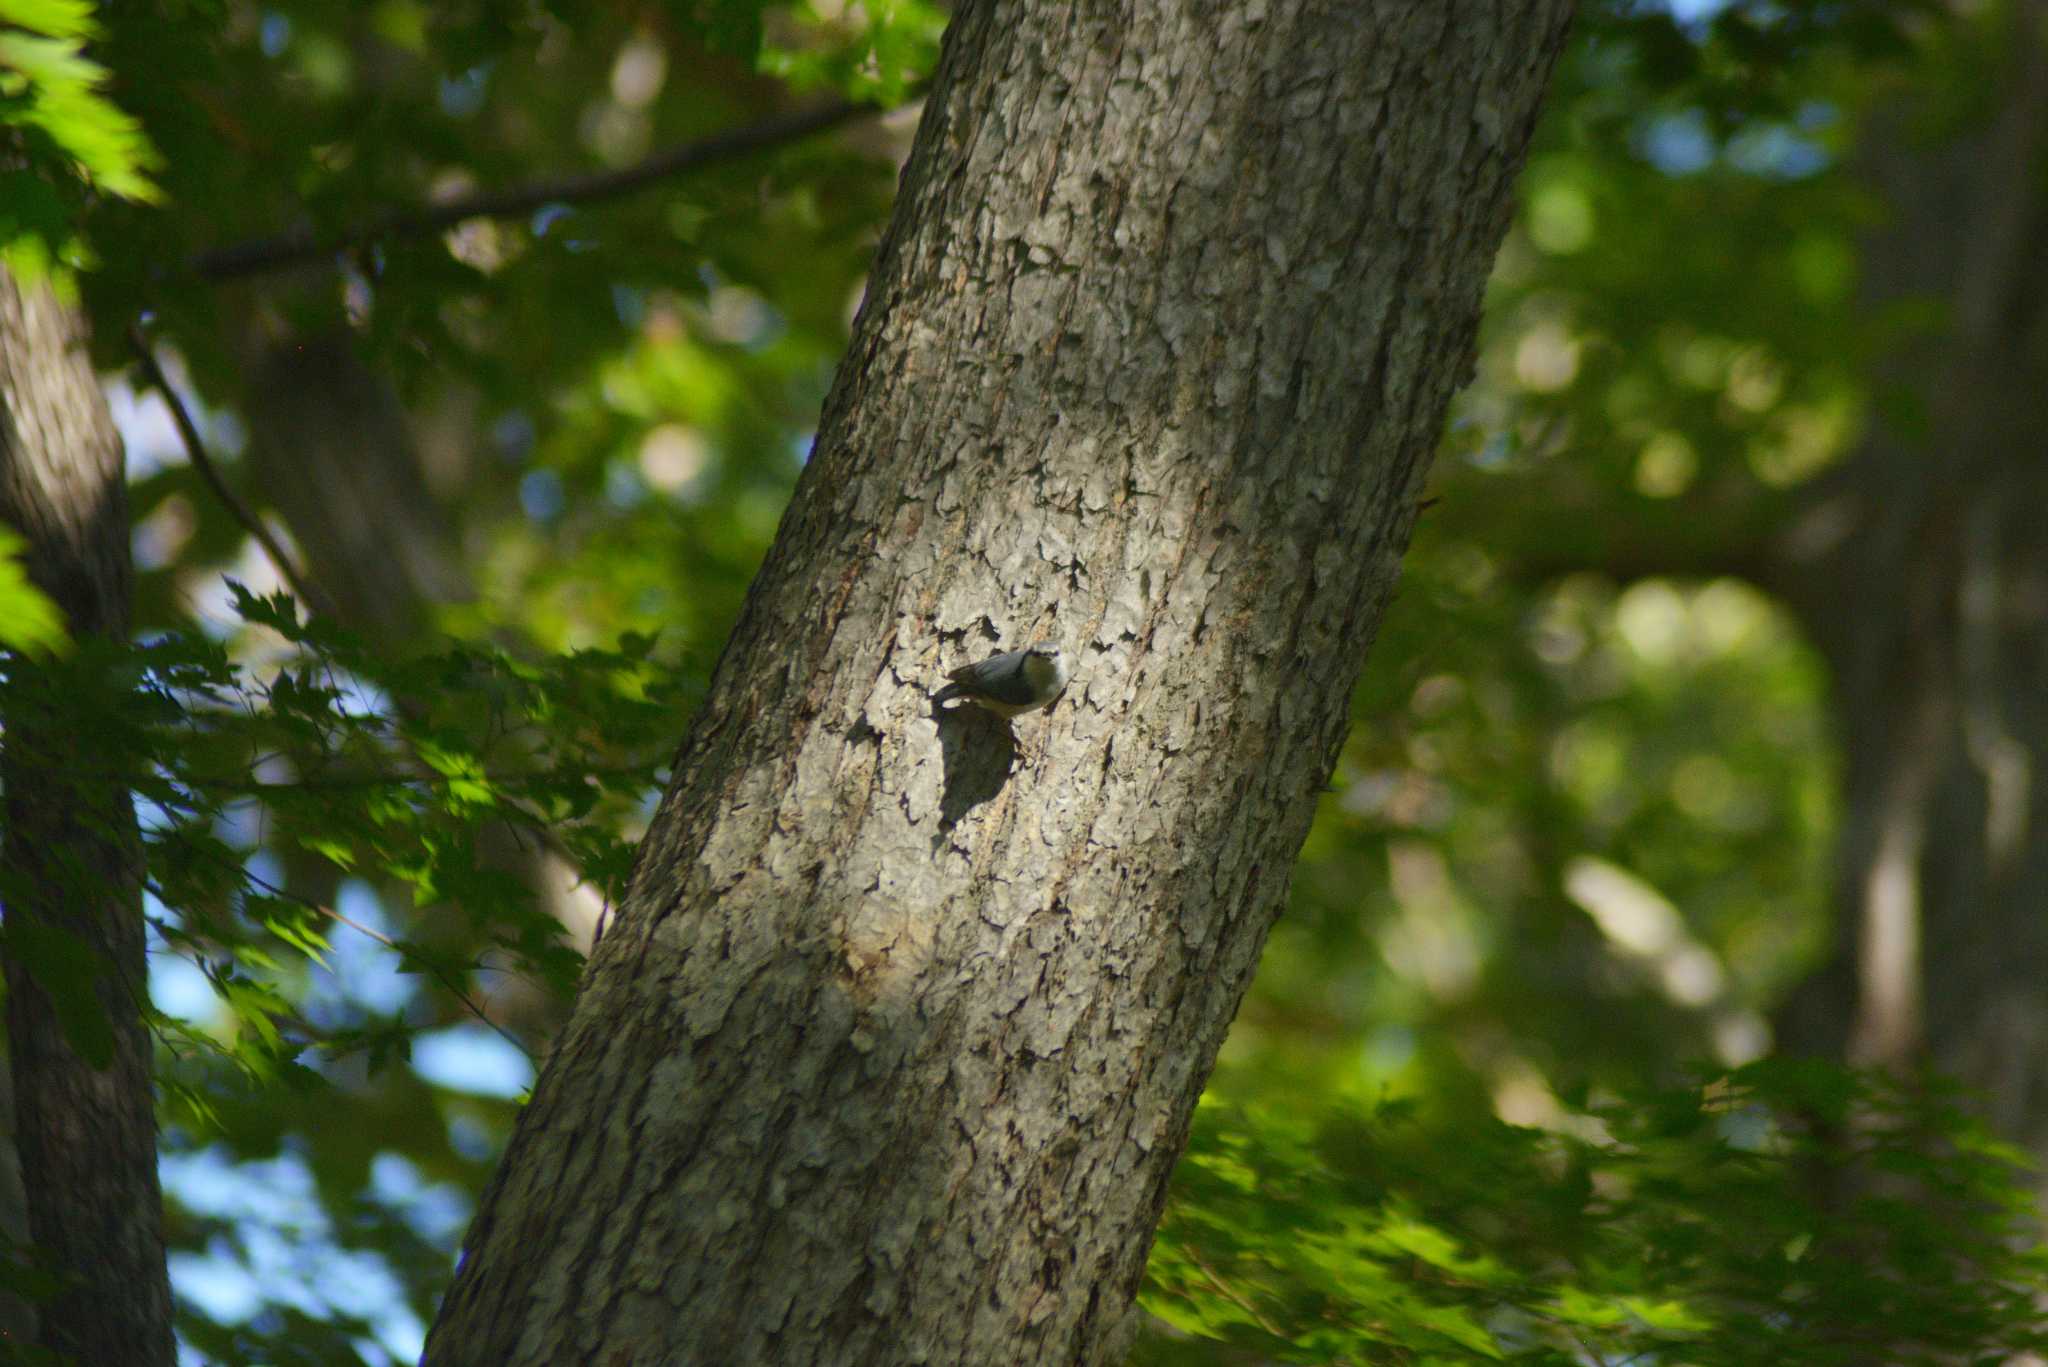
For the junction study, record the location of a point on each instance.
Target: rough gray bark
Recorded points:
(894, 1046)
(1922, 573)
(70, 865)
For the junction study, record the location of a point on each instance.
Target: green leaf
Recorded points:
(29, 621)
(295, 923)
(57, 18)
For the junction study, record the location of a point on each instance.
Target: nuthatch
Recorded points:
(1011, 684)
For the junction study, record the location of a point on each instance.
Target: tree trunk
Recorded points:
(1921, 571)
(892, 1051)
(71, 870)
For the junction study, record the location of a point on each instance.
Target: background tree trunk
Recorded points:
(71, 866)
(892, 1051)
(1920, 570)
(330, 450)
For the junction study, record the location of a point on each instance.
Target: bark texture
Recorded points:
(1921, 571)
(894, 1046)
(70, 865)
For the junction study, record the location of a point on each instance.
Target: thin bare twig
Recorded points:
(262, 254)
(195, 449)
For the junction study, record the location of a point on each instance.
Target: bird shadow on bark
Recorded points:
(979, 752)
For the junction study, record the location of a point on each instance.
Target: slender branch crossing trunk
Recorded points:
(71, 869)
(894, 1046)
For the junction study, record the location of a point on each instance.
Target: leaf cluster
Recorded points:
(398, 771)
(63, 142)
(264, 777)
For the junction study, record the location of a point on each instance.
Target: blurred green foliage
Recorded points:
(1578, 840)
(1684, 1224)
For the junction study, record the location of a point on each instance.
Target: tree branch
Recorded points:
(258, 255)
(1556, 520)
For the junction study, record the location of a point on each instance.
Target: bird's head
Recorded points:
(1046, 668)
